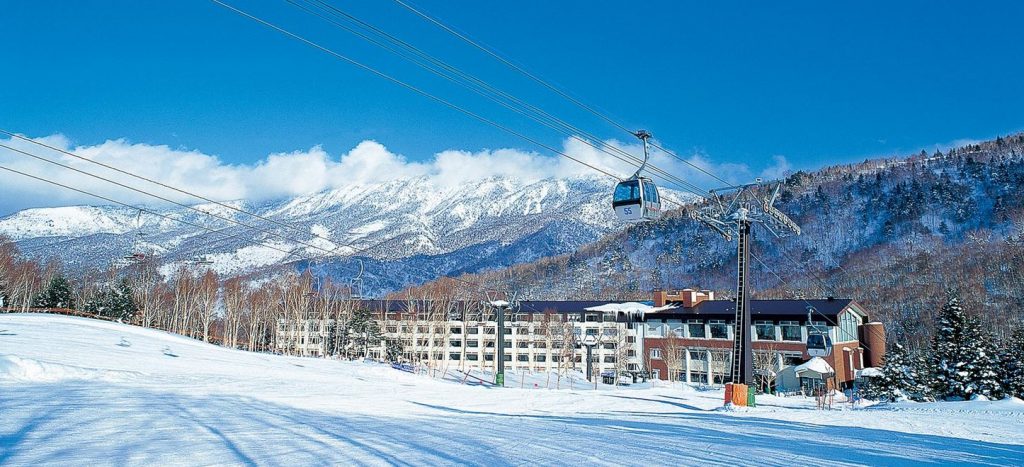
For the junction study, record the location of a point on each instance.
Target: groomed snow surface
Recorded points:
(75, 391)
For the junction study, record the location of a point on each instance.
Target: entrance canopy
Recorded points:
(816, 367)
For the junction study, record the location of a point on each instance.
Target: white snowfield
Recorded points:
(83, 392)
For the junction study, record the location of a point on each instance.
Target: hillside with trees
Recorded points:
(893, 234)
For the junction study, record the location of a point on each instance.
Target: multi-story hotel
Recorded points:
(688, 338)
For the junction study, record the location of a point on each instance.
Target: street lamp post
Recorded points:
(589, 342)
(500, 306)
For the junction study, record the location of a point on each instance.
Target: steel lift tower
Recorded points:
(747, 205)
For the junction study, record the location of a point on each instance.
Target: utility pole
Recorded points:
(500, 306)
(589, 342)
(745, 208)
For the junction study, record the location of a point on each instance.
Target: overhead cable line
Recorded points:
(127, 205)
(155, 182)
(164, 199)
(408, 86)
(478, 86)
(437, 22)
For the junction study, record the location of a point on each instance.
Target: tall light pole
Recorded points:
(589, 342)
(500, 306)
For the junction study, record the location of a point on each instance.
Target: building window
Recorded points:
(540, 358)
(593, 317)
(523, 358)
(523, 345)
(456, 330)
(765, 330)
(592, 331)
(656, 353)
(698, 355)
(455, 343)
(719, 330)
(472, 357)
(453, 356)
(791, 359)
(609, 359)
(473, 344)
(473, 330)
(656, 373)
(847, 327)
(791, 331)
(695, 328)
(508, 358)
(489, 357)
(609, 346)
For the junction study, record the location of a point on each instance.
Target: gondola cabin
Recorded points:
(819, 345)
(636, 200)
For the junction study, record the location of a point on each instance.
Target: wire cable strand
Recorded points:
(478, 86)
(545, 83)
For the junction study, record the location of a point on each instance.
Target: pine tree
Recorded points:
(897, 376)
(113, 302)
(365, 330)
(57, 295)
(949, 361)
(1012, 364)
(964, 358)
(984, 370)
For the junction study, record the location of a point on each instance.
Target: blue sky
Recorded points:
(740, 83)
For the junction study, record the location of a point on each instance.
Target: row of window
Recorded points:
(788, 331)
(540, 358)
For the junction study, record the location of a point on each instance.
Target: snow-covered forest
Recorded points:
(892, 234)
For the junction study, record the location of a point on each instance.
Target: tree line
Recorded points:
(964, 361)
(270, 314)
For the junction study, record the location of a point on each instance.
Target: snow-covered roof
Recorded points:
(869, 372)
(816, 364)
(629, 306)
(499, 303)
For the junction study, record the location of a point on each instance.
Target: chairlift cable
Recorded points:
(483, 88)
(546, 84)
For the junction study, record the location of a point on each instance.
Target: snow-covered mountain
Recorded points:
(404, 231)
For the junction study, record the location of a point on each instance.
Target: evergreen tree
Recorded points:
(964, 358)
(1012, 364)
(898, 378)
(984, 369)
(115, 302)
(365, 330)
(57, 295)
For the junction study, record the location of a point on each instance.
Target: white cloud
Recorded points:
(299, 172)
(780, 166)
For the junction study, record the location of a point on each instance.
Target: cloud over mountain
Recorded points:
(296, 173)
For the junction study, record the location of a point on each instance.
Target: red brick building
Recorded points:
(693, 341)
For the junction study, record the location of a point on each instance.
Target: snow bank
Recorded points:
(70, 388)
(13, 368)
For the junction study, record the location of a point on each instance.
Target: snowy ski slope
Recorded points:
(75, 391)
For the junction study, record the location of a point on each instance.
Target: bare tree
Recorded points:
(673, 354)
(765, 366)
(206, 301)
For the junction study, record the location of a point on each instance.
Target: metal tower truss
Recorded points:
(732, 211)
